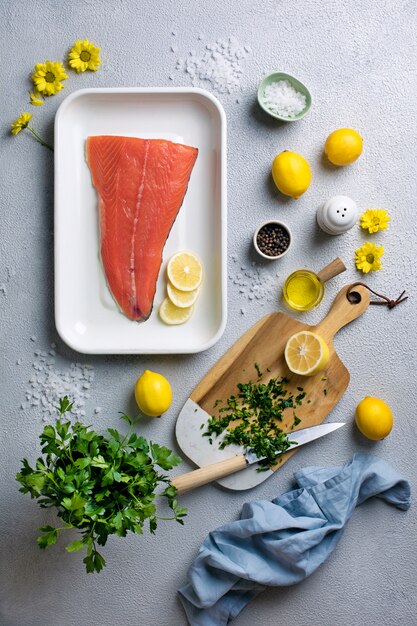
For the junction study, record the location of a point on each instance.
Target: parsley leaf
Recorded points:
(164, 457)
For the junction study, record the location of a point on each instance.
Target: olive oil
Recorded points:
(303, 290)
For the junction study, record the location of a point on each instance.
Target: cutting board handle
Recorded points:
(343, 311)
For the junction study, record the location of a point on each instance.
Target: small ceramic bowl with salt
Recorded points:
(283, 97)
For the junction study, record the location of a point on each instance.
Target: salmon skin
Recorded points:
(141, 184)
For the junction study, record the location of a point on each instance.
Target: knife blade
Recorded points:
(218, 470)
(299, 438)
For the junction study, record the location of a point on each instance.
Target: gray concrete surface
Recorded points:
(359, 59)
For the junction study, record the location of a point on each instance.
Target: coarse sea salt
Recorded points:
(283, 99)
(48, 384)
(254, 284)
(219, 65)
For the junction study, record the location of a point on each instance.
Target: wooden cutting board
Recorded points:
(264, 344)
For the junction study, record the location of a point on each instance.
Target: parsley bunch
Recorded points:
(101, 484)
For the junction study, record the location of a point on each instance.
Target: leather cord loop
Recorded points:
(384, 300)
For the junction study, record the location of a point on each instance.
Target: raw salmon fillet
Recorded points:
(141, 184)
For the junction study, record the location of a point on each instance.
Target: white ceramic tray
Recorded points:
(86, 316)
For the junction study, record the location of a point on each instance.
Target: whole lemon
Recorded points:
(343, 146)
(291, 173)
(374, 418)
(153, 393)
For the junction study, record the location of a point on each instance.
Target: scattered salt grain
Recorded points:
(97, 410)
(282, 99)
(219, 65)
(3, 289)
(254, 283)
(33, 338)
(174, 48)
(48, 384)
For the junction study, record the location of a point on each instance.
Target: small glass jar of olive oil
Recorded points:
(303, 290)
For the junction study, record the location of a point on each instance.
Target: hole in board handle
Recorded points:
(354, 297)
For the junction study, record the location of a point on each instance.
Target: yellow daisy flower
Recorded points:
(47, 77)
(84, 56)
(21, 123)
(368, 257)
(35, 98)
(374, 220)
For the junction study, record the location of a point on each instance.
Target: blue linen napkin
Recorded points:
(283, 541)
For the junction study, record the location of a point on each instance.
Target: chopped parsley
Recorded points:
(295, 422)
(259, 409)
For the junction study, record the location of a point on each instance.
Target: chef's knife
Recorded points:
(207, 474)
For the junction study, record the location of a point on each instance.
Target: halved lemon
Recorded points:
(185, 271)
(306, 353)
(182, 299)
(173, 315)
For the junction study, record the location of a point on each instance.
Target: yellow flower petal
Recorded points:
(35, 100)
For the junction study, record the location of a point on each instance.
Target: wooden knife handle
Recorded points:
(207, 474)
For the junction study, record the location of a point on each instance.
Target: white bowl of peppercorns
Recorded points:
(272, 240)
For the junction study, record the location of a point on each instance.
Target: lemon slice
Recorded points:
(173, 315)
(306, 353)
(182, 299)
(185, 271)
